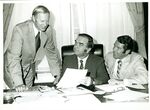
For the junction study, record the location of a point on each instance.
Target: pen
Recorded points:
(17, 97)
(59, 90)
(39, 89)
(134, 83)
(116, 90)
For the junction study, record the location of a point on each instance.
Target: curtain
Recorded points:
(7, 12)
(103, 21)
(136, 12)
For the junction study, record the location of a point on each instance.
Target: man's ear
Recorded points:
(127, 52)
(88, 50)
(33, 18)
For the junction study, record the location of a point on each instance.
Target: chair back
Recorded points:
(68, 50)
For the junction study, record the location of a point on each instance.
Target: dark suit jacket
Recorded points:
(21, 54)
(94, 64)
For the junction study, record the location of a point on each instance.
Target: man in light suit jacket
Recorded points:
(94, 64)
(22, 57)
(131, 68)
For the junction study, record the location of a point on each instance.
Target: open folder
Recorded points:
(72, 78)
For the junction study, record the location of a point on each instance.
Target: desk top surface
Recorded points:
(100, 97)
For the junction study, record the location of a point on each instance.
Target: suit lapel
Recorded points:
(87, 64)
(75, 63)
(31, 37)
(39, 54)
(112, 64)
(43, 38)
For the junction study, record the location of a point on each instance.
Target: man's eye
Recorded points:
(80, 44)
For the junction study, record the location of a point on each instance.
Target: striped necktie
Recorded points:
(37, 41)
(81, 64)
(118, 68)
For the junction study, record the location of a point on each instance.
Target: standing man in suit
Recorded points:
(31, 40)
(125, 66)
(83, 59)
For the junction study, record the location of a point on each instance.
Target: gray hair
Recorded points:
(40, 9)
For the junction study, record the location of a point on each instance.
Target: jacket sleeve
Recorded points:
(52, 55)
(102, 75)
(64, 65)
(13, 57)
(107, 62)
(140, 72)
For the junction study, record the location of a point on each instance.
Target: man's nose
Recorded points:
(76, 44)
(114, 48)
(45, 24)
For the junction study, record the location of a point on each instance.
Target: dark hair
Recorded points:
(127, 41)
(90, 39)
(40, 9)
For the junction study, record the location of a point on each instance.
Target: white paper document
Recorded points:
(75, 91)
(136, 86)
(111, 88)
(44, 78)
(127, 95)
(37, 96)
(71, 78)
(86, 100)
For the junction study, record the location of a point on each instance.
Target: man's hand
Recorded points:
(56, 80)
(21, 88)
(115, 82)
(87, 81)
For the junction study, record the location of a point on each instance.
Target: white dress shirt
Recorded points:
(84, 61)
(35, 30)
(115, 67)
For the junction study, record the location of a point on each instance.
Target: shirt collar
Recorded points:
(125, 59)
(84, 61)
(35, 30)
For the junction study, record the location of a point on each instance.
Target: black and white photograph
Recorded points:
(64, 55)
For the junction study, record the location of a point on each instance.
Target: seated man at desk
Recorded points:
(82, 59)
(125, 66)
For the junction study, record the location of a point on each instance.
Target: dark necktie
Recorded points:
(37, 41)
(81, 64)
(118, 68)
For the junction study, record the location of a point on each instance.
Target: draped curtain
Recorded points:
(7, 12)
(136, 12)
(103, 21)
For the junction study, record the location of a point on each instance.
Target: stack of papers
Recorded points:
(75, 91)
(121, 93)
(26, 97)
(72, 78)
